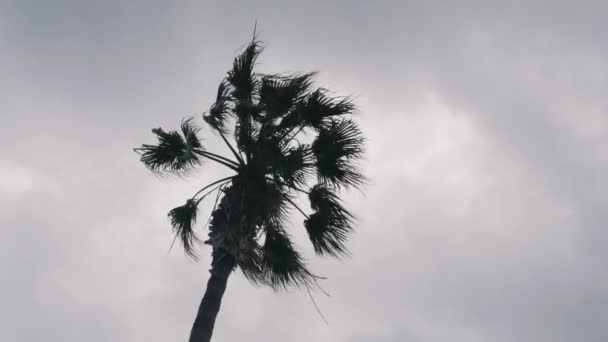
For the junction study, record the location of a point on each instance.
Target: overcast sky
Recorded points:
(488, 133)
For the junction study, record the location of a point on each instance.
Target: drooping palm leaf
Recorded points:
(327, 233)
(174, 152)
(328, 227)
(336, 148)
(220, 110)
(281, 263)
(323, 199)
(182, 220)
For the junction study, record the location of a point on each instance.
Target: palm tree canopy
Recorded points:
(267, 115)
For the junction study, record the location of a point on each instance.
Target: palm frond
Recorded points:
(335, 149)
(328, 233)
(278, 93)
(318, 110)
(220, 110)
(289, 164)
(294, 167)
(182, 220)
(329, 226)
(323, 199)
(241, 76)
(189, 131)
(174, 152)
(281, 263)
(244, 85)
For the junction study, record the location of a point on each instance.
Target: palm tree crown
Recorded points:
(267, 115)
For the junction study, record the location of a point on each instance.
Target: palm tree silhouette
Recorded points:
(269, 115)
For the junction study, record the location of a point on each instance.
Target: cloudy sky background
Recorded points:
(487, 125)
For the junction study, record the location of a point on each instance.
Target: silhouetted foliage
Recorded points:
(183, 219)
(267, 115)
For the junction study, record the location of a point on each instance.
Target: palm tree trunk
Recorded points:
(210, 304)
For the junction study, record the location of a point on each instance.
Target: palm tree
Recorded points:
(270, 165)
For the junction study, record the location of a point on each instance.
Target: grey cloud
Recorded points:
(484, 220)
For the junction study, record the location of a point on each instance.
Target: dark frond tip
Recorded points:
(182, 220)
(174, 153)
(323, 199)
(342, 139)
(336, 149)
(279, 93)
(241, 76)
(328, 233)
(254, 275)
(318, 109)
(220, 110)
(282, 264)
(340, 175)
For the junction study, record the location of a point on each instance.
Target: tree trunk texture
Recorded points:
(210, 304)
